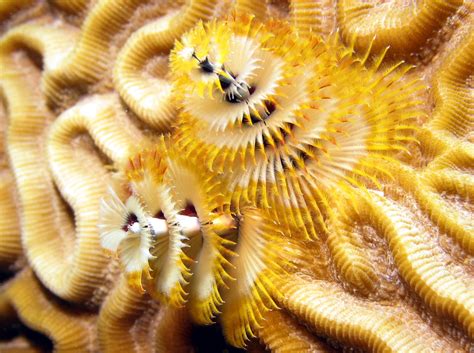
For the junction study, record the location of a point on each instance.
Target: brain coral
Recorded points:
(231, 175)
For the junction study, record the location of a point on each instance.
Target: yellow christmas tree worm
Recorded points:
(288, 125)
(185, 245)
(133, 231)
(261, 246)
(177, 237)
(194, 192)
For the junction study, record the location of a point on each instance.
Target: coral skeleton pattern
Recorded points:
(271, 175)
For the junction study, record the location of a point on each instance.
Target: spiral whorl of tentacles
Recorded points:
(160, 228)
(284, 114)
(175, 237)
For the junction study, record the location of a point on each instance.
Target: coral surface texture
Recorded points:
(206, 176)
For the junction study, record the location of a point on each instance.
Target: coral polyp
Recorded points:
(210, 175)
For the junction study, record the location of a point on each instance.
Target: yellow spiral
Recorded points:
(285, 114)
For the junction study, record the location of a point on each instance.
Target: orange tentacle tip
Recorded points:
(134, 280)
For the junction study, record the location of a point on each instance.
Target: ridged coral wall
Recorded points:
(345, 236)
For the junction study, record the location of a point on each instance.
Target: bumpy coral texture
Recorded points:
(270, 175)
